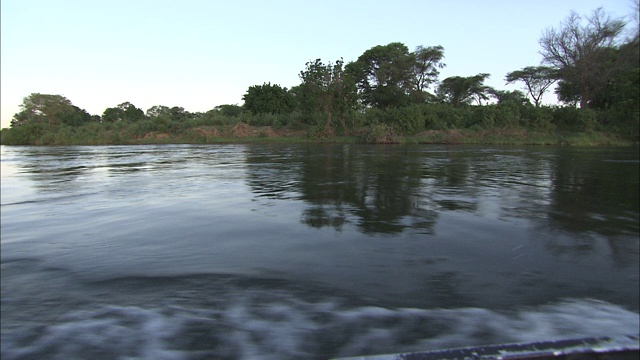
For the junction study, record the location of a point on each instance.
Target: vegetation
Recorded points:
(537, 80)
(391, 95)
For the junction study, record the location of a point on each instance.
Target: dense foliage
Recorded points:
(385, 93)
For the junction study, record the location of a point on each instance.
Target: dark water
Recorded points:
(312, 251)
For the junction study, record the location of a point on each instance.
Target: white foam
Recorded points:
(288, 328)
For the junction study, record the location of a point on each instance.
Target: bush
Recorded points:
(373, 116)
(319, 132)
(484, 116)
(356, 119)
(622, 118)
(454, 117)
(293, 120)
(27, 134)
(434, 117)
(144, 127)
(408, 119)
(507, 115)
(570, 118)
(380, 134)
(538, 118)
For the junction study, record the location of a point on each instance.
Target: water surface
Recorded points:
(315, 251)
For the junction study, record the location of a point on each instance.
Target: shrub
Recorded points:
(292, 119)
(570, 118)
(380, 134)
(408, 119)
(319, 132)
(454, 117)
(538, 118)
(507, 115)
(374, 116)
(434, 117)
(24, 135)
(143, 127)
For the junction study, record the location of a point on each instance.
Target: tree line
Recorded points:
(594, 61)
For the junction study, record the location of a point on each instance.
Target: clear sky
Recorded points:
(200, 54)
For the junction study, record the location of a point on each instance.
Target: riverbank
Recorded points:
(243, 133)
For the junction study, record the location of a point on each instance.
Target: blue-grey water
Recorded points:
(312, 251)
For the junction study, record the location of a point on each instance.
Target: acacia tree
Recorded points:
(428, 61)
(326, 88)
(49, 109)
(458, 90)
(577, 51)
(537, 80)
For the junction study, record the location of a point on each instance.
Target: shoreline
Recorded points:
(267, 134)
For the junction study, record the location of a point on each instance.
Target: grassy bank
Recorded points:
(243, 133)
(518, 137)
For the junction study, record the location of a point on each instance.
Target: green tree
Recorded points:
(178, 113)
(623, 85)
(458, 90)
(327, 89)
(76, 117)
(130, 112)
(111, 115)
(384, 75)
(157, 111)
(577, 50)
(428, 61)
(49, 109)
(123, 112)
(161, 112)
(229, 109)
(268, 99)
(568, 93)
(537, 80)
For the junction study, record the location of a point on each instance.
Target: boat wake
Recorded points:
(289, 328)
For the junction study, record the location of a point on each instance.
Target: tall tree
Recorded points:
(428, 62)
(458, 90)
(49, 109)
(268, 99)
(577, 50)
(326, 88)
(537, 79)
(383, 75)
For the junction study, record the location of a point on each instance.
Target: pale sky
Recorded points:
(200, 54)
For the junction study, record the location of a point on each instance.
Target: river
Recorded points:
(278, 251)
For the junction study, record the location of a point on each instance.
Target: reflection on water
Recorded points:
(596, 192)
(198, 251)
(389, 189)
(503, 219)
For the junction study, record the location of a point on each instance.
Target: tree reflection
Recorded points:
(53, 169)
(596, 193)
(391, 189)
(372, 187)
(320, 216)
